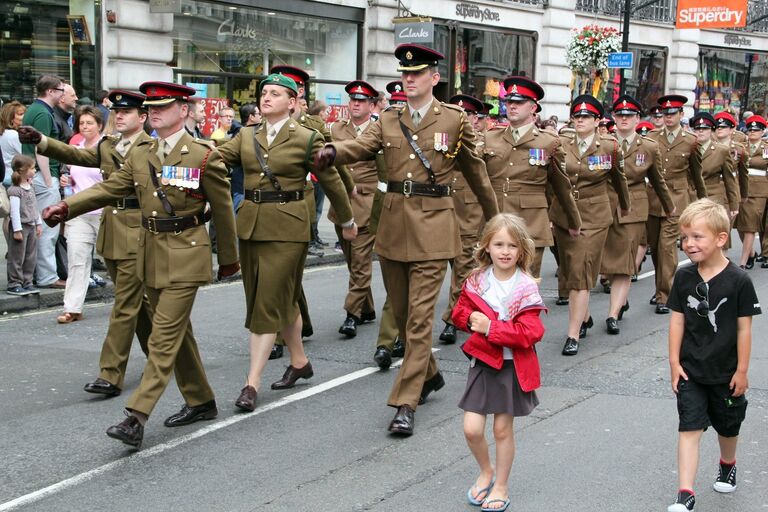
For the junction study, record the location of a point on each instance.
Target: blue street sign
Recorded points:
(621, 60)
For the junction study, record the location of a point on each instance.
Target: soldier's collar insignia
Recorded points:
(184, 149)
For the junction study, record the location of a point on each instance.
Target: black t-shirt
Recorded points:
(708, 353)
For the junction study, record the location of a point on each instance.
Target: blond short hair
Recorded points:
(715, 216)
(516, 228)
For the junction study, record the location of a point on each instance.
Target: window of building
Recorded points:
(645, 81)
(731, 80)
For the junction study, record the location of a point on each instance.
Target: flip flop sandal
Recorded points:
(481, 492)
(68, 318)
(485, 507)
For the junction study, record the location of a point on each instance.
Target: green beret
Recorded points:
(282, 80)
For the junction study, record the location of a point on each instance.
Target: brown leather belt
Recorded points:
(273, 196)
(412, 188)
(128, 203)
(174, 224)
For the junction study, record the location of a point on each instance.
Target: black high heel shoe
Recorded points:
(584, 326)
(624, 308)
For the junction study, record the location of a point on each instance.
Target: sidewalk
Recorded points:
(53, 298)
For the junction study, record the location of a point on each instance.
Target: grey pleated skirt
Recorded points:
(491, 391)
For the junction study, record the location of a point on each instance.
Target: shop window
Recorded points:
(733, 81)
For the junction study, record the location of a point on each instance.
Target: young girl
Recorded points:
(25, 227)
(500, 306)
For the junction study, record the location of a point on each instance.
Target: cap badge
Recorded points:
(153, 90)
(461, 103)
(398, 88)
(753, 123)
(408, 55)
(118, 97)
(583, 106)
(359, 88)
(275, 78)
(513, 90)
(669, 104)
(624, 103)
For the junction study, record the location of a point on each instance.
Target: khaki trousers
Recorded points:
(131, 313)
(413, 288)
(172, 348)
(662, 238)
(461, 266)
(358, 254)
(388, 330)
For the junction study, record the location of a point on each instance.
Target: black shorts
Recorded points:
(702, 405)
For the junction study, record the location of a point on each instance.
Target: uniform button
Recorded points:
(351, 169)
(409, 175)
(266, 155)
(415, 137)
(114, 212)
(154, 194)
(388, 144)
(154, 213)
(505, 195)
(576, 175)
(262, 174)
(135, 183)
(411, 156)
(491, 152)
(510, 163)
(194, 243)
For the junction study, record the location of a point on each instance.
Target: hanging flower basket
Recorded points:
(587, 55)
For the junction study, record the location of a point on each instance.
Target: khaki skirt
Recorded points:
(272, 274)
(580, 258)
(750, 217)
(621, 245)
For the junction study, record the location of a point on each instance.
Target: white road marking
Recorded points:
(155, 450)
(650, 273)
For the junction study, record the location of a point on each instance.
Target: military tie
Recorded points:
(416, 118)
(752, 149)
(122, 147)
(703, 149)
(582, 147)
(515, 135)
(162, 149)
(624, 146)
(271, 134)
(670, 137)
(358, 130)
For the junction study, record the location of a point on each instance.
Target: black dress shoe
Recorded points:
(276, 352)
(402, 423)
(130, 431)
(448, 336)
(623, 310)
(247, 399)
(367, 317)
(759, 259)
(584, 326)
(292, 374)
(102, 387)
(750, 261)
(661, 308)
(398, 349)
(606, 284)
(188, 415)
(571, 347)
(434, 383)
(633, 279)
(349, 327)
(562, 301)
(653, 300)
(306, 331)
(383, 357)
(613, 325)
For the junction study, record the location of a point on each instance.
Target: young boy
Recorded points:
(710, 336)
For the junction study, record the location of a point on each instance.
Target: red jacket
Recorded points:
(520, 333)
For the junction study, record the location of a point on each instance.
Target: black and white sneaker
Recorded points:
(726, 478)
(685, 502)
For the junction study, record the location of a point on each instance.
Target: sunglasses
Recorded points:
(702, 290)
(60, 89)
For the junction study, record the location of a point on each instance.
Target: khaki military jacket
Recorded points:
(643, 169)
(717, 171)
(757, 165)
(589, 186)
(681, 165)
(166, 260)
(316, 123)
(118, 235)
(469, 214)
(419, 228)
(740, 164)
(290, 157)
(520, 173)
(364, 174)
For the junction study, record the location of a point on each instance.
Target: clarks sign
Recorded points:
(228, 28)
(420, 32)
(467, 10)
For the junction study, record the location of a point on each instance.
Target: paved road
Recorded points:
(603, 438)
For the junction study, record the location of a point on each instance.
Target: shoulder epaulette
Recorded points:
(452, 107)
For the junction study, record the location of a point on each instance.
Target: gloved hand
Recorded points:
(324, 158)
(55, 214)
(29, 135)
(228, 270)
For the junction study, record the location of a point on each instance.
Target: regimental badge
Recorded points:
(583, 106)
(669, 104)
(398, 88)
(408, 55)
(514, 89)
(182, 177)
(275, 78)
(538, 157)
(441, 142)
(184, 149)
(461, 103)
(118, 97)
(624, 103)
(359, 88)
(639, 159)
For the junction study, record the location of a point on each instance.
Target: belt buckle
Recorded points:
(576, 195)
(505, 186)
(257, 196)
(120, 205)
(408, 188)
(152, 225)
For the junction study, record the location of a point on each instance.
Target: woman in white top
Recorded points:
(81, 231)
(10, 119)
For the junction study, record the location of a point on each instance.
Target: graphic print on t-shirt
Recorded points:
(693, 303)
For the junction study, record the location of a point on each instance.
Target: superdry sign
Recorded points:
(711, 13)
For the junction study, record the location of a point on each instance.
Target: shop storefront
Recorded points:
(224, 50)
(53, 37)
(731, 80)
(645, 81)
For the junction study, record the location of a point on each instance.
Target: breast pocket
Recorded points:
(190, 253)
(392, 154)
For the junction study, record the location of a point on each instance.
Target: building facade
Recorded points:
(224, 47)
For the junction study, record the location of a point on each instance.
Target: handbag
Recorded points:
(5, 203)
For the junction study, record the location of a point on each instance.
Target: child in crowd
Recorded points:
(710, 336)
(500, 305)
(25, 227)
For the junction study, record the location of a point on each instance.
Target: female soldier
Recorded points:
(273, 225)
(748, 222)
(590, 160)
(642, 161)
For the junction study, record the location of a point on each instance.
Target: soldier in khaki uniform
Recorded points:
(423, 144)
(358, 253)
(117, 240)
(469, 216)
(172, 177)
(274, 229)
(716, 165)
(643, 169)
(681, 162)
(591, 162)
(523, 161)
(726, 133)
(751, 212)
